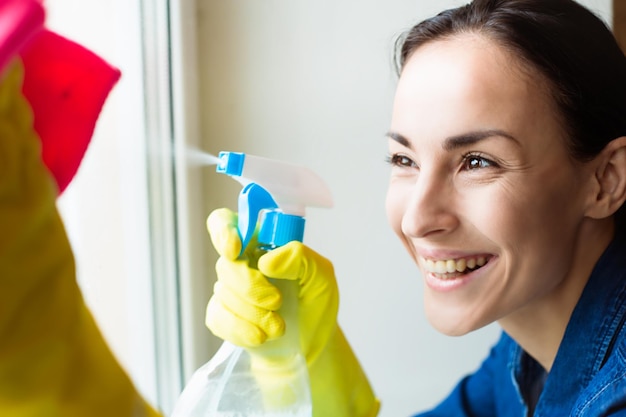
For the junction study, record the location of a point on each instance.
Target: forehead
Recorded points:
(470, 82)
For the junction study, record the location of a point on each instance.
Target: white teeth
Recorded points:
(450, 266)
(461, 264)
(430, 264)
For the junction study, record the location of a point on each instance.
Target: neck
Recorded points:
(539, 327)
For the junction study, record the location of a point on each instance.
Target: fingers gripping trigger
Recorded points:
(243, 307)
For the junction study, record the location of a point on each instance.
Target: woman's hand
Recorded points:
(244, 311)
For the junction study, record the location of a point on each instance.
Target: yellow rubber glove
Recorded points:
(53, 360)
(243, 309)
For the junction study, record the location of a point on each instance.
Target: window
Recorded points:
(128, 210)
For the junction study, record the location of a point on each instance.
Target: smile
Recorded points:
(452, 268)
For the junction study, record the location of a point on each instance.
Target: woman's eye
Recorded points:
(401, 161)
(473, 162)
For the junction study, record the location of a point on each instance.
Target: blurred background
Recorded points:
(307, 82)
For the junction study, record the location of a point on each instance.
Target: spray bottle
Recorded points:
(274, 195)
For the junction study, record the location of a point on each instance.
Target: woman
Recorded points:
(508, 179)
(508, 148)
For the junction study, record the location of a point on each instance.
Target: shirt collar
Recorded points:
(592, 329)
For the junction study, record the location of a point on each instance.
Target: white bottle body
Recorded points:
(269, 381)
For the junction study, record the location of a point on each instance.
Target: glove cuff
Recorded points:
(339, 386)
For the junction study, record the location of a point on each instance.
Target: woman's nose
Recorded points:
(430, 208)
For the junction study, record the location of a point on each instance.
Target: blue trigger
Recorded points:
(252, 200)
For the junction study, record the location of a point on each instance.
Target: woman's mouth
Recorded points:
(454, 268)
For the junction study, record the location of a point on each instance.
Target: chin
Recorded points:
(452, 326)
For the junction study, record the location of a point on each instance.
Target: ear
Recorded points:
(610, 180)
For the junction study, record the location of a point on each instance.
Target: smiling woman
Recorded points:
(480, 180)
(508, 150)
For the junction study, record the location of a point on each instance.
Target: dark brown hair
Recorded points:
(565, 43)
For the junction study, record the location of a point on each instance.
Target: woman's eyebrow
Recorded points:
(400, 139)
(470, 138)
(458, 141)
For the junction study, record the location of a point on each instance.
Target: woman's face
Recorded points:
(482, 193)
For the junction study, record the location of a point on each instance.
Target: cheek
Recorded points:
(548, 204)
(529, 220)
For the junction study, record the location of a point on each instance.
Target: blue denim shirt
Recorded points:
(588, 377)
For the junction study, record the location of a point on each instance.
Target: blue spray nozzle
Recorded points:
(230, 163)
(275, 194)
